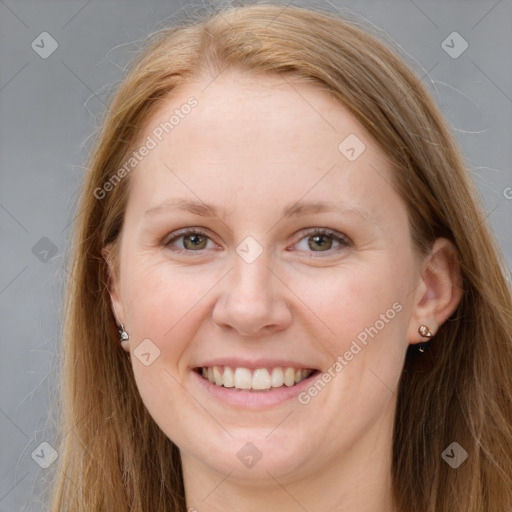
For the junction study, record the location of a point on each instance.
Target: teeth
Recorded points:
(217, 376)
(289, 377)
(277, 377)
(228, 377)
(243, 378)
(259, 379)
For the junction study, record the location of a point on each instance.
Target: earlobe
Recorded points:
(438, 293)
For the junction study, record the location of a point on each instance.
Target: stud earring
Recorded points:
(424, 331)
(123, 336)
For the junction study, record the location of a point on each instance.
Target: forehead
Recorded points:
(235, 109)
(253, 134)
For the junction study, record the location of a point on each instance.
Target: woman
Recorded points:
(285, 295)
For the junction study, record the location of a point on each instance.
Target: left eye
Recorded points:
(316, 240)
(322, 240)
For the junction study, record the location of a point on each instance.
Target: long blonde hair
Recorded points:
(112, 455)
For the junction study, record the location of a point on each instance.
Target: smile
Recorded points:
(257, 379)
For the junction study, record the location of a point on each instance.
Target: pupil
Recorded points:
(318, 239)
(194, 240)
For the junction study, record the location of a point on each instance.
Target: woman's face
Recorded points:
(221, 269)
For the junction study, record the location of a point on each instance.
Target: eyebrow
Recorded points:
(295, 209)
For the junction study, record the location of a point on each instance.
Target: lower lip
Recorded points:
(252, 399)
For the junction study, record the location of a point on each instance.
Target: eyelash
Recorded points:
(343, 240)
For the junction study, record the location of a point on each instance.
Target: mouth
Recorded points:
(254, 379)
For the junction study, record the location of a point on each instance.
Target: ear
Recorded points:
(114, 286)
(439, 291)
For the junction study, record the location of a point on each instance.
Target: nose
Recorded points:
(252, 300)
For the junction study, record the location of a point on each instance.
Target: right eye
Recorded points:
(190, 240)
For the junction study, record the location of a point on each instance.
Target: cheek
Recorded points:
(166, 304)
(349, 302)
(363, 308)
(163, 305)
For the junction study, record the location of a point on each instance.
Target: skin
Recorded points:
(253, 146)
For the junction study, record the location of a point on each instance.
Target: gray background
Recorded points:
(50, 107)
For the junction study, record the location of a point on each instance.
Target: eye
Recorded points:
(189, 240)
(195, 240)
(322, 240)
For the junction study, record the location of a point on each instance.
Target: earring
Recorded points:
(425, 332)
(123, 336)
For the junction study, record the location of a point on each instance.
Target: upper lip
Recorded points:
(254, 363)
